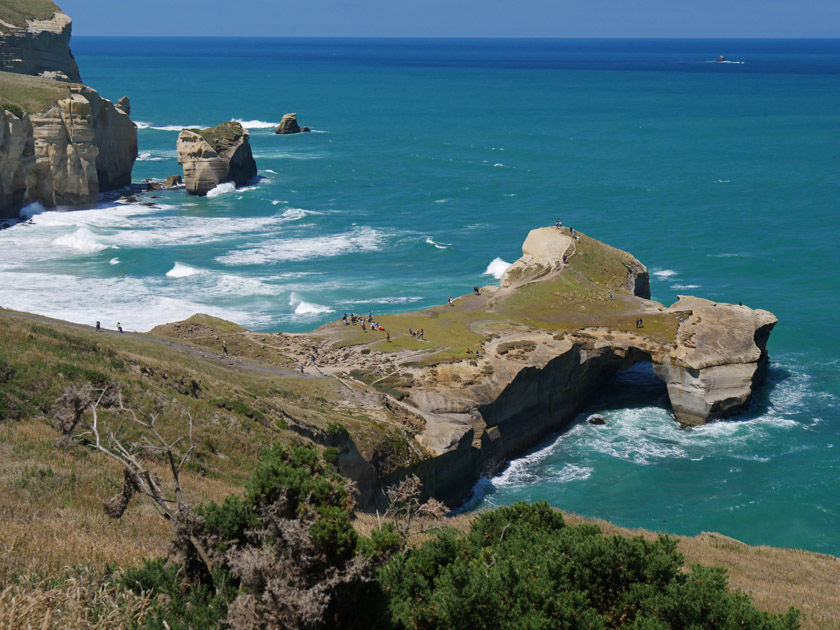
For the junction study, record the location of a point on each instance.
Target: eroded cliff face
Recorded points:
(66, 154)
(40, 48)
(569, 313)
(214, 156)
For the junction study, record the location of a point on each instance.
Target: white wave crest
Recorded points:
(181, 270)
(268, 170)
(498, 165)
(680, 287)
(285, 249)
(82, 240)
(497, 268)
(114, 261)
(395, 300)
(142, 125)
(307, 308)
(446, 200)
(148, 156)
(29, 211)
(664, 273)
(437, 245)
(221, 189)
(256, 124)
(177, 127)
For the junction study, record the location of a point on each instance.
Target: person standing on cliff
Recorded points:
(98, 326)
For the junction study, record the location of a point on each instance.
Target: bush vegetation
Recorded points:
(285, 555)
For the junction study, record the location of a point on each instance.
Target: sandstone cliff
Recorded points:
(215, 155)
(66, 153)
(35, 40)
(496, 371)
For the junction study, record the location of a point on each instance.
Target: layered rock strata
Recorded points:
(216, 155)
(66, 154)
(39, 47)
(569, 314)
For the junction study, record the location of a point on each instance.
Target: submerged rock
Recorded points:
(215, 155)
(597, 419)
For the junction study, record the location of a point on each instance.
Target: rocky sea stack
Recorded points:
(214, 156)
(289, 124)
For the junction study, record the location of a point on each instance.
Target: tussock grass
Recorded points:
(18, 12)
(30, 94)
(78, 598)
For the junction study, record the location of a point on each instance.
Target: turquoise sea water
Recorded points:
(430, 160)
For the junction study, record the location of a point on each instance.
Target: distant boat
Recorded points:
(722, 59)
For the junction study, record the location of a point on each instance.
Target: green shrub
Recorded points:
(521, 567)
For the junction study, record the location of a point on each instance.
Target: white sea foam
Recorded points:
(664, 273)
(177, 127)
(446, 200)
(29, 211)
(148, 156)
(284, 249)
(510, 195)
(681, 287)
(497, 268)
(181, 270)
(437, 245)
(114, 261)
(221, 189)
(498, 165)
(286, 155)
(268, 170)
(307, 308)
(142, 125)
(256, 124)
(82, 240)
(394, 300)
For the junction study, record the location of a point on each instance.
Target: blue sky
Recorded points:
(457, 18)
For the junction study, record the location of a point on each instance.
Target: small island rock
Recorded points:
(215, 155)
(289, 124)
(597, 419)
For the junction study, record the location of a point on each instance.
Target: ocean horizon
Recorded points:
(429, 162)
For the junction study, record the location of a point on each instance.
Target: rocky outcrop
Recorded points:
(39, 47)
(62, 144)
(17, 157)
(215, 155)
(569, 314)
(721, 355)
(66, 154)
(289, 124)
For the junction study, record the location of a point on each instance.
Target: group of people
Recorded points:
(417, 334)
(99, 326)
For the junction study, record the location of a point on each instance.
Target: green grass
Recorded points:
(18, 12)
(221, 135)
(30, 94)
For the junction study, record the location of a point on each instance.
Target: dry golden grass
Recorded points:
(775, 579)
(81, 598)
(51, 515)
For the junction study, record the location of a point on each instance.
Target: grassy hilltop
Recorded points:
(19, 12)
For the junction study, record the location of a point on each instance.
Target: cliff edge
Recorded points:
(457, 390)
(61, 144)
(35, 40)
